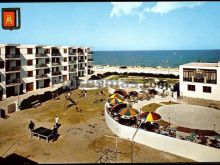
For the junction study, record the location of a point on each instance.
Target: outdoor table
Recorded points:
(42, 132)
(164, 133)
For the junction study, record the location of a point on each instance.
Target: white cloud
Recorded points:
(126, 8)
(165, 7)
(133, 8)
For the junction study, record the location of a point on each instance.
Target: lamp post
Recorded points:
(214, 125)
(142, 120)
(116, 145)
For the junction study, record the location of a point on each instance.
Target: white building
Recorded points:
(200, 80)
(25, 68)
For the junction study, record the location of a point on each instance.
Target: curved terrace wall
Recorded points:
(194, 151)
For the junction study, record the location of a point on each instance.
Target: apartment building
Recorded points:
(200, 80)
(25, 68)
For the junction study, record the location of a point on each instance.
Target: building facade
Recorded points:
(200, 80)
(25, 68)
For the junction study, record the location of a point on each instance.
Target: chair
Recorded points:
(192, 137)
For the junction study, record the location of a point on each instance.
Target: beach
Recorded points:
(100, 69)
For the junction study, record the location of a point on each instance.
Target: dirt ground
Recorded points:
(82, 135)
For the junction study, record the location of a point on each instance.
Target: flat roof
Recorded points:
(200, 64)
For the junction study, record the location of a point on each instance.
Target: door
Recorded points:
(29, 87)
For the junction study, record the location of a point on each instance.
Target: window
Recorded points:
(65, 59)
(29, 51)
(30, 73)
(65, 50)
(2, 65)
(30, 62)
(191, 88)
(207, 89)
(47, 51)
(65, 68)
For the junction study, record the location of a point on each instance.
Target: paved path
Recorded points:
(191, 116)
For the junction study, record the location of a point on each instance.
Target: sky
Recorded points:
(118, 25)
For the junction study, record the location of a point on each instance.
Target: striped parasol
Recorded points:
(128, 112)
(150, 116)
(116, 99)
(117, 107)
(121, 92)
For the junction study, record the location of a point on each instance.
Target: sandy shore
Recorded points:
(137, 69)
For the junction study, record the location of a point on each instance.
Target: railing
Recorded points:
(81, 53)
(187, 79)
(91, 52)
(14, 81)
(72, 62)
(74, 53)
(90, 59)
(12, 56)
(199, 80)
(90, 66)
(81, 60)
(72, 70)
(56, 73)
(56, 54)
(41, 55)
(56, 64)
(211, 81)
(41, 65)
(41, 76)
(81, 68)
(15, 68)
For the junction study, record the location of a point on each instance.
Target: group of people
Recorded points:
(57, 124)
(83, 93)
(98, 95)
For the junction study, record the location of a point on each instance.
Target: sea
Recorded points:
(155, 58)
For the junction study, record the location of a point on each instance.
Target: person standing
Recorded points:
(57, 121)
(31, 126)
(54, 132)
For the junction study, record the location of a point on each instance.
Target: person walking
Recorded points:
(57, 121)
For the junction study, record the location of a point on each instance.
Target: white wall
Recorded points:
(190, 150)
(198, 93)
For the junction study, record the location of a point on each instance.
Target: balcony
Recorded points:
(72, 62)
(187, 79)
(90, 59)
(81, 68)
(81, 60)
(73, 54)
(13, 69)
(13, 82)
(56, 54)
(42, 55)
(81, 53)
(41, 66)
(72, 70)
(42, 76)
(56, 73)
(12, 56)
(90, 66)
(91, 52)
(211, 81)
(56, 64)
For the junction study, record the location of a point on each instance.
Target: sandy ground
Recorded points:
(82, 135)
(137, 69)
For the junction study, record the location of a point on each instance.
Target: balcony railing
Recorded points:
(211, 81)
(56, 63)
(13, 69)
(73, 53)
(56, 73)
(199, 80)
(81, 53)
(39, 55)
(90, 59)
(187, 79)
(81, 60)
(41, 76)
(81, 68)
(12, 56)
(72, 62)
(91, 52)
(41, 65)
(56, 54)
(90, 66)
(72, 70)
(14, 81)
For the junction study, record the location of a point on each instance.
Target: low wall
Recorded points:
(190, 150)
